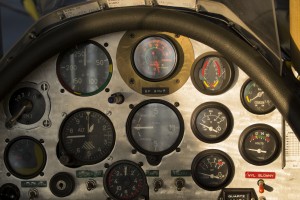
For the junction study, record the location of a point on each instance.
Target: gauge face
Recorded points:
(155, 58)
(212, 74)
(260, 144)
(212, 169)
(155, 127)
(87, 135)
(212, 122)
(33, 102)
(25, 157)
(125, 180)
(85, 69)
(255, 99)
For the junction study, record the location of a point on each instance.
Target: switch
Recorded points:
(91, 184)
(117, 98)
(158, 183)
(261, 185)
(179, 183)
(33, 194)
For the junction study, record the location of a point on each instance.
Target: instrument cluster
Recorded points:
(136, 115)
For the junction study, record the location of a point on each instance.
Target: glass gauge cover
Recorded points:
(25, 157)
(87, 136)
(255, 100)
(155, 127)
(260, 144)
(125, 180)
(212, 74)
(212, 169)
(212, 122)
(155, 58)
(84, 70)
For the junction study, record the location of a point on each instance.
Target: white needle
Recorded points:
(143, 127)
(75, 136)
(258, 150)
(211, 176)
(210, 128)
(259, 94)
(84, 58)
(125, 170)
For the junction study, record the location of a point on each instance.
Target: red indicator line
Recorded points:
(218, 67)
(204, 67)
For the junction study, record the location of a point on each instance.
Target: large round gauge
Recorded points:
(155, 58)
(155, 127)
(255, 100)
(212, 74)
(85, 69)
(25, 157)
(212, 122)
(125, 180)
(260, 144)
(212, 169)
(87, 136)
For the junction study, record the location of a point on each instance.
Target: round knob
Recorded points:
(9, 191)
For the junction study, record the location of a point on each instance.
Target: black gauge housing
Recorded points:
(212, 122)
(260, 144)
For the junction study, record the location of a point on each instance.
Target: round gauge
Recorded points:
(125, 180)
(25, 157)
(84, 70)
(212, 169)
(260, 144)
(155, 127)
(155, 58)
(255, 100)
(212, 74)
(87, 136)
(29, 102)
(212, 122)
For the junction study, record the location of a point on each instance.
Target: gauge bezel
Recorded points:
(11, 170)
(128, 162)
(208, 152)
(171, 42)
(137, 146)
(269, 129)
(197, 66)
(248, 107)
(83, 94)
(226, 112)
(78, 162)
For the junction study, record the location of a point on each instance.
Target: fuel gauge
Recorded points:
(260, 144)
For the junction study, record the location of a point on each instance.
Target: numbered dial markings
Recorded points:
(85, 69)
(87, 135)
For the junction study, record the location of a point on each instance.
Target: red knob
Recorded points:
(261, 185)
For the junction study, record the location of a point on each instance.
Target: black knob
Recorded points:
(62, 184)
(9, 191)
(117, 98)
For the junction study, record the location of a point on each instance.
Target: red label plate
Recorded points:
(263, 175)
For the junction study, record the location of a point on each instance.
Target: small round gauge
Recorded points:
(155, 58)
(212, 169)
(155, 127)
(87, 136)
(212, 122)
(212, 74)
(25, 157)
(84, 70)
(255, 100)
(125, 180)
(28, 102)
(260, 144)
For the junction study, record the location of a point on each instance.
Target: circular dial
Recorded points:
(212, 74)
(212, 122)
(125, 180)
(29, 99)
(85, 69)
(87, 135)
(25, 157)
(155, 127)
(155, 58)
(212, 169)
(260, 144)
(255, 99)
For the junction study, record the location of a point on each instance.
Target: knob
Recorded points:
(261, 185)
(117, 98)
(158, 183)
(91, 184)
(179, 183)
(62, 184)
(9, 191)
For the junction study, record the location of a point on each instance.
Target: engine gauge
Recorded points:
(212, 74)
(25, 157)
(155, 58)
(125, 180)
(212, 169)
(85, 69)
(212, 122)
(260, 144)
(87, 136)
(255, 100)
(155, 128)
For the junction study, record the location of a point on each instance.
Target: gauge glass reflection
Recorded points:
(155, 58)
(85, 69)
